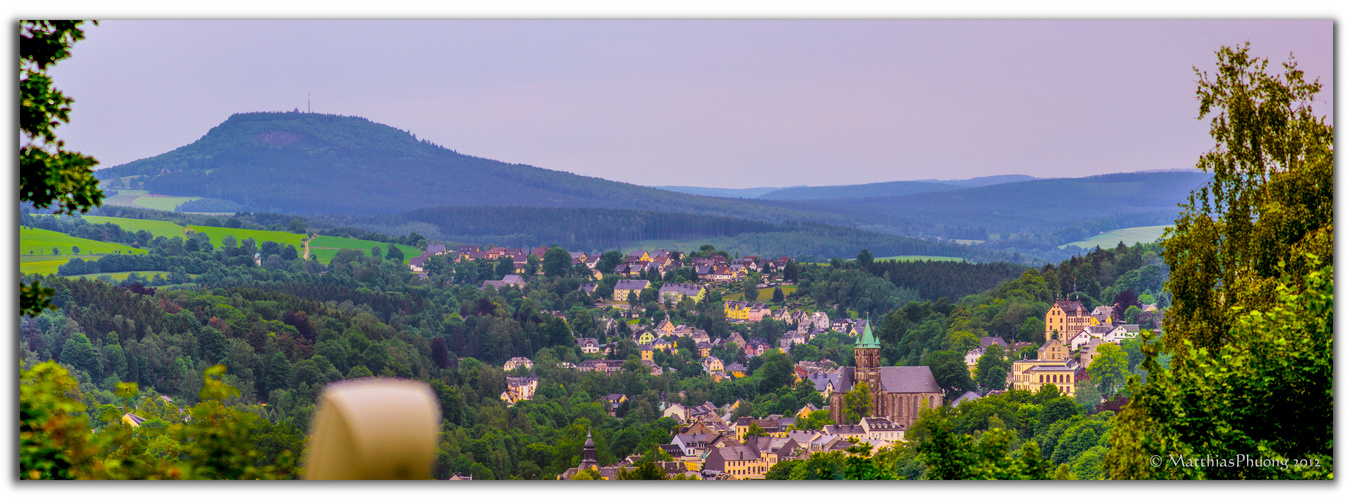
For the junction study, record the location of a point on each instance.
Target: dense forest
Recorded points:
(591, 229)
(577, 229)
(283, 330)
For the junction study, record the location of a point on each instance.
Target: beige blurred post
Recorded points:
(374, 428)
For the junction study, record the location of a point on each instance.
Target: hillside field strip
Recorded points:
(1127, 235)
(217, 234)
(154, 227)
(125, 197)
(765, 294)
(41, 242)
(326, 247)
(123, 275)
(914, 258)
(46, 264)
(166, 203)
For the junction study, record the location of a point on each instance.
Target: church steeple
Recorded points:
(867, 340)
(589, 452)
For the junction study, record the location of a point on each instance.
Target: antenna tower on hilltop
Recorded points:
(307, 101)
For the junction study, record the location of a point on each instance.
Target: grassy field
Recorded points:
(326, 247)
(1129, 236)
(166, 203)
(154, 227)
(125, 197)
(259, 235)
(912, 258)
(45, 264)
(764, 294)
(122, 276)
(42, 241)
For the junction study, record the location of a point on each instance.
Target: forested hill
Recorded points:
(1039, 206)
(316, 164)
(880, 189)
(589, 229)
(309, 163)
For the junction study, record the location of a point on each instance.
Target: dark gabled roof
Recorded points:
(631, 285)
(737, 452)
(845, 380)
(908, 379)
(987, 341)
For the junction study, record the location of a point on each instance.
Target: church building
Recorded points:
(898, 392)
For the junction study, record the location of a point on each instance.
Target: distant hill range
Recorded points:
(310, 163)
(721, 192)
(316, 164)
(872, 190)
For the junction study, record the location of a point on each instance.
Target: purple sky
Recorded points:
(707, 103)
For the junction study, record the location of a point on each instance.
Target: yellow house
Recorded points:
(646, 352)
(623, 288)
(642, 255)
(133, 419)
(806, 410)
(737, 309)
(667, 328)
(1054, 366)
(645, 338)
(664, 345)
(1066, 317)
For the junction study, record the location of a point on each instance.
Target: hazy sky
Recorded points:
(707, 103)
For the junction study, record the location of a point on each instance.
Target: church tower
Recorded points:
(867, 352)
(589, 453)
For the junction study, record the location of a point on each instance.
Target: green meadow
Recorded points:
(42, 242)
(45, 264)
(166, 203)
(259, 235)
(764, 294)
(36, 250)
(326, 247)
(123, 275)
(125, 197)
(1128, 235)
(914, 258)
(154, 227)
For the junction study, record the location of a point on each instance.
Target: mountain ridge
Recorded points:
(317, 164)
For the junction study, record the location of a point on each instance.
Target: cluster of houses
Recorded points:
(709, 269)
(712, 444)
(1072, 337)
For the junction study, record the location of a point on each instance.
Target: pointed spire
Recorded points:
(589, 451)
(867, 340)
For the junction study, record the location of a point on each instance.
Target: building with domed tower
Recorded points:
(898, 392)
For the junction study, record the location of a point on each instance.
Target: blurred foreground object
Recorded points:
(376, 428)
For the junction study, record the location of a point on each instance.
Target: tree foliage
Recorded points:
(1268, 212)
(859, 403)
(217, 442)
(1250, 333)
(49, 175)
